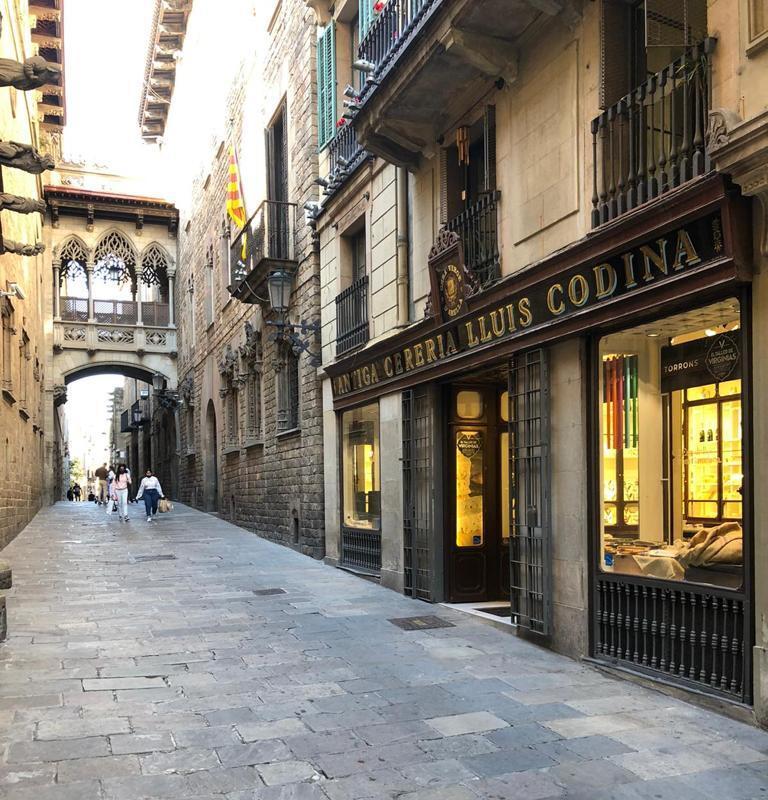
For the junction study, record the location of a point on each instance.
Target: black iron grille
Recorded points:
(361, 549)
(690, 633)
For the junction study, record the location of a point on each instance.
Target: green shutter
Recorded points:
(326, 86)
(366, 16)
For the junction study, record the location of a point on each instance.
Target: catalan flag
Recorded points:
(235, 207)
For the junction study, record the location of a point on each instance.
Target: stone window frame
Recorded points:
(288, 388)
(757, 26)
(6, 350)
(209, 298)
(24, 363)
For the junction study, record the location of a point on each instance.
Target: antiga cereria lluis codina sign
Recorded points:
(661, 259)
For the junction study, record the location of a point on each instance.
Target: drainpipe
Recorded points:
(402, 248)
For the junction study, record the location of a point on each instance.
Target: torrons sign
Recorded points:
(712, 359)
(662, 259)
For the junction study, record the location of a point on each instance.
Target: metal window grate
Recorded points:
(361, 549)
(530, 490)
(477, 227)
(690, 634)
(352, 316)
(418, 499)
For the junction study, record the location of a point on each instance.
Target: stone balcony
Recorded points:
(114, 325)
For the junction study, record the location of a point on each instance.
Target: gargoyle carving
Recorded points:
(24, 156)
(21, 205)
(187, 390)
(23, 249)
(228, 364)
(32, 74)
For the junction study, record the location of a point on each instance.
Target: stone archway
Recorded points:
(210, 461)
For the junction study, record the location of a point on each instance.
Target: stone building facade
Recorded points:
(26, 408)
(484, 189)
(250, 444)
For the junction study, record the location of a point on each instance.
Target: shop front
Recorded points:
(604, 390)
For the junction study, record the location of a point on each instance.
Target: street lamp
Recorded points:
(279, 287)
(158, 382)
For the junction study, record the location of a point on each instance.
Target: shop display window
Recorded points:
(470, 472)
(671, 448)
(361, 503)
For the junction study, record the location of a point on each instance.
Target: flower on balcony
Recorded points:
(341, 122)
(378, 6)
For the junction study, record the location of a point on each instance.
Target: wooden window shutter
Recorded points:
(443, 186)
(614, 49)
(366, 16)
(283, 145)
(269, 153)
(675, 23)
(326, 85)
(489, 148)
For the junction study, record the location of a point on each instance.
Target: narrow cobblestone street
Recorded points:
(193, 659)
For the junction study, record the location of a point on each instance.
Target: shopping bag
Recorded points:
(164, 506)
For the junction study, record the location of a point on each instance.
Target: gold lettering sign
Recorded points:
(581, 287)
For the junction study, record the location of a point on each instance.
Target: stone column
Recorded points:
(139, 318)
(89, 275)
(171, 280)
(56, 293)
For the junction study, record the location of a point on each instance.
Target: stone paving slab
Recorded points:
(194, 677)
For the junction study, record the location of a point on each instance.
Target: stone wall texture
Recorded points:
(266, 481)
(26, 451)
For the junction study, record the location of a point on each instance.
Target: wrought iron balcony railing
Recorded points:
(352, 316)
(654, 138)
(114, 312)
(345, 156)
(478, 228)
(390, 33)
(269, 235)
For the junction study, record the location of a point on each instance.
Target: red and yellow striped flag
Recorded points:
(235, 207)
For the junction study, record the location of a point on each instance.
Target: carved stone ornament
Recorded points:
(23, 249)
(59, 395)
(446, 239)
(21, 205)
(250, 350)
(187, 390)
(32, 74)
(228, 364)
(25, 157)
(721, 123)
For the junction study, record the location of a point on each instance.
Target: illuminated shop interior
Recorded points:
(671, 448)
(361, 477)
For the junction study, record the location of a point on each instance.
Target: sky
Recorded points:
(105, 48)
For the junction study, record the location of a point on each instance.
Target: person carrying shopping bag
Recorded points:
(120, 491)
(151, 491)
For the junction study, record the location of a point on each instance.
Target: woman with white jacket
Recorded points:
(151, 491)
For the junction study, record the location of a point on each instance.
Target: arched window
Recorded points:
(154, 265)
(72, 259)
(115, 258)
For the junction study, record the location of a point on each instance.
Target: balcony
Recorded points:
(115, 325)
(478, 228)
(653, 139)
(352, 317)
(266, 243)
(345, 155)
(432, 60)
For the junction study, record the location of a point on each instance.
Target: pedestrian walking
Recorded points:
(110, 479)
(77, 491)
(151, 491)
(70, 494)
(101, 475)
(120, 491)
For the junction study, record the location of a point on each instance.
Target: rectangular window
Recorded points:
(357, 247)
(208, 299)
(288, 394)
(7, 322)
(326, 85)
(24, 358)
(232, 417)
(671, 443)
(253, 411)
(361, 503)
